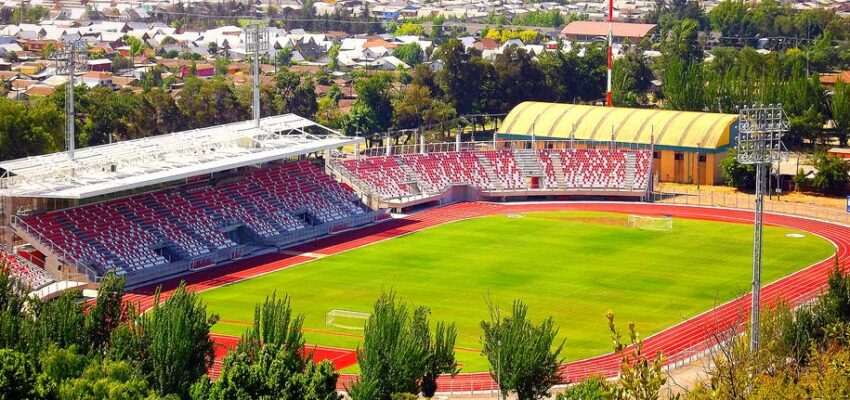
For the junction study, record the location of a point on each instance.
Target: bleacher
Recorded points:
(498, 170)
(200, 220)
(27, 272)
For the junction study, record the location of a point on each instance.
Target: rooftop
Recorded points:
(131, 164)
(620, 29)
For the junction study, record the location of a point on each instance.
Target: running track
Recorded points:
(676, 343)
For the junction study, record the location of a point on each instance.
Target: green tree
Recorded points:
(175, 342)
(137, 47)
(283, 57)
(520, 78)
(732, 18)
(684, 86)
(17, 376)
(333, 56)
(410, 53)
(120, 63)
(373, 92)
(30, 129)
(593, 388)
(107, 312)
(269, 361)
(523, 357)
(58, 365)
(409, 29)
(399, 352)
(736, 174)
(640, 378)
(221, 65)
(209, 102)
(832, 173)
(840, 110)
(107, 380)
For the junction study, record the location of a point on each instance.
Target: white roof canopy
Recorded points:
(148, 161)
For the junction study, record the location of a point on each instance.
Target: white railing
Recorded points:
(55, 249)
(746, 201)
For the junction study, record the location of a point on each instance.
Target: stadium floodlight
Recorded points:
(760, 130)
(70, 60)
(256, 41)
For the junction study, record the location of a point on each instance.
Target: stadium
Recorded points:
(555, 208)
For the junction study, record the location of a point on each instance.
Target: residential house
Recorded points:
(94, 79)
(100, 65)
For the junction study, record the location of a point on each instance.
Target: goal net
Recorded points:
(344, 319)
(650, 223)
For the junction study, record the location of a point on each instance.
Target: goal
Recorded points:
(651, 223)
(344, 319)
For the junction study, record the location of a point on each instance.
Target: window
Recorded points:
(678, 156)
(702, 158)
(656, 155)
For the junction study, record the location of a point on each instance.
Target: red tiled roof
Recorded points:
(620, 29)
(831, 79)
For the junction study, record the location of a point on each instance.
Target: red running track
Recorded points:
(676, 343)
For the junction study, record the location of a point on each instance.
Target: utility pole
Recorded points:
(70, 60)
(760, 130)
(257, 41)
(608, 94)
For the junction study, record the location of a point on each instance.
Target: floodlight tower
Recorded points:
(70, 60)
(257, 41)
(760, 130)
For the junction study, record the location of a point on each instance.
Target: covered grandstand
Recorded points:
(163, 206)
(688, 146)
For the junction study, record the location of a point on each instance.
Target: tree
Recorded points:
(409, 29)
(269, 361)
(684, 86)
(640, 378)
(17, 376)
(682, 43)
(283, 57)
(221, 65)
(107, 380)
(832, 173)
(107, 312)
(175, 342)
(333, 56)
(410, 53)
(120, 63)
(137, 47)
(399, 352)
(520, 78)
(840, 110)
(731, 17)
(209, 102)
(520, 353)
(373, 93)
(29, 129)
(736, 174)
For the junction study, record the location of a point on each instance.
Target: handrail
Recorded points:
(56, 249)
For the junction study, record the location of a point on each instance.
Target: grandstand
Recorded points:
(404, 180)
(163, 206)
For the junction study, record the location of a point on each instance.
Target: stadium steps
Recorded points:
(631, 171)
(558, 167)
(490, 171)
(528, 164)
(95, 244)
(176, 221)
(160, 237)
(411, 176)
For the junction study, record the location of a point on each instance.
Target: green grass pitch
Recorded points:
(574, 266)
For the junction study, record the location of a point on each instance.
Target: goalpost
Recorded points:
(651, 223)
(348, 320)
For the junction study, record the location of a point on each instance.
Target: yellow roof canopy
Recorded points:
(681, 129)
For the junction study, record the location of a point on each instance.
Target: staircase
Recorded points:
(491, 173)
(527, 162)
(558, 166)
(631, 171)
(411, 176)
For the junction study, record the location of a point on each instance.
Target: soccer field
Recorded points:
(574, 266)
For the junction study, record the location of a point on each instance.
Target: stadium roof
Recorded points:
(673, 129)
(148, 161)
